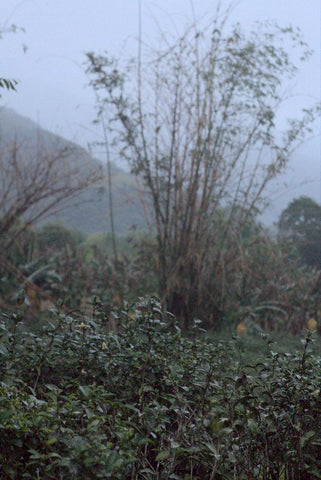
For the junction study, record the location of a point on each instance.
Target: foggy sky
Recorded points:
(52, 84)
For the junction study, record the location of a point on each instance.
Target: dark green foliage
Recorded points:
(8, 84)
(57, 237)
(146, 403)
(300, 225)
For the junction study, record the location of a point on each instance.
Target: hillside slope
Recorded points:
(89, 212)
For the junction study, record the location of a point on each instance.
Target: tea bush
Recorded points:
(144, 402)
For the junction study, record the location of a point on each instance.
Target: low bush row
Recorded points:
(78, 401)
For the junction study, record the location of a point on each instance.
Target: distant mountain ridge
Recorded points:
(89, 212)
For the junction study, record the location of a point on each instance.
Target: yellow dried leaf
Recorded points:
(241, 329)
(312, 324)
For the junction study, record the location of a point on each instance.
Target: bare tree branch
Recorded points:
(37, 180)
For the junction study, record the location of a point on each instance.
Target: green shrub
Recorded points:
(144, 402)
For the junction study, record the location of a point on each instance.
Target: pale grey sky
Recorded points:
(52, 88)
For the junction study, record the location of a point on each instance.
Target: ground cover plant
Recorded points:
(145, 402)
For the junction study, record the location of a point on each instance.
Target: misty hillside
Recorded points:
(89, 212)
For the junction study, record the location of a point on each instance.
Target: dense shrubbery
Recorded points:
(278, 294)
(144, 402)
(59, 263)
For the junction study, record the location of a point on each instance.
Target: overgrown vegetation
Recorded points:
(280, 294)
(197, 121)
(146, 403)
